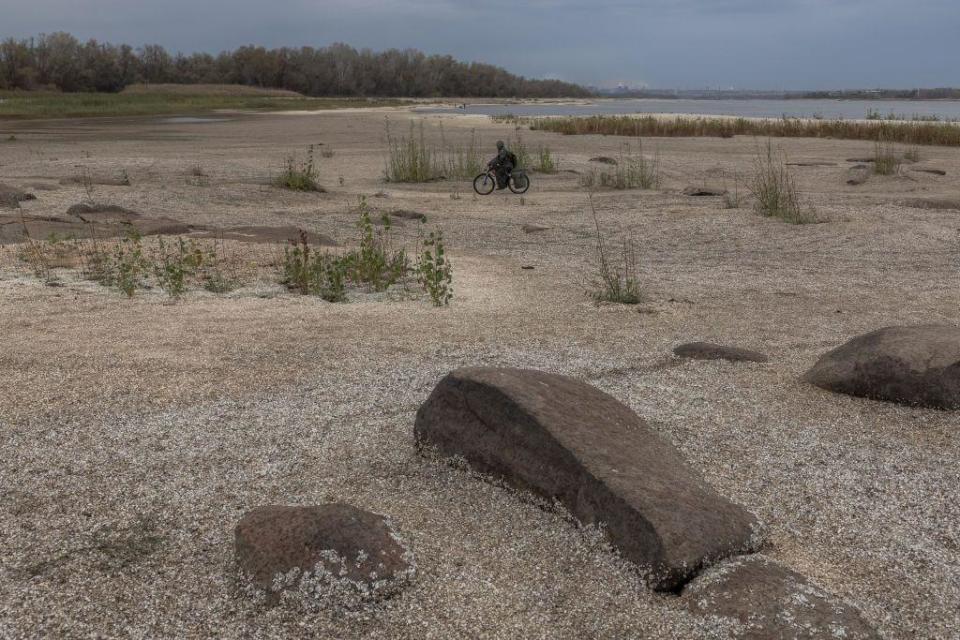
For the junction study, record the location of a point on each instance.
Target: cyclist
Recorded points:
(503, 164)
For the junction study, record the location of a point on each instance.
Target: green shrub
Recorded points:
(410, 159)
(545, 161)
(519, 149)
(313, 273)
(434, 271)
(885, 160)
(300, 175)
(375, 263)
(172, 266)
(461, 161)
(774, 189)
(126, 267)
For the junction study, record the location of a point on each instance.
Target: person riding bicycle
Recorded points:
(503, 164)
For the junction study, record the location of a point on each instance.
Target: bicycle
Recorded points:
(486, 182)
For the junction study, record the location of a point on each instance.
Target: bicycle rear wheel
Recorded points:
(519, 183)
(484, 184)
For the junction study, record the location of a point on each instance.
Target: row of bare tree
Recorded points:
(60, 61)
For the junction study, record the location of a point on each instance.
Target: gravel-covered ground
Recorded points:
(134, 433)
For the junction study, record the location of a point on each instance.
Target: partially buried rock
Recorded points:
(772, 602)
(909, 365)
(709, 351)
(11, 197)
(704, 191)
(858, 174)
(102, 213)
(336, 554)
(9, 200)
(567, 441)
(534, 228)
(405, 214)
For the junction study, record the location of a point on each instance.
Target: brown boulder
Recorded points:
(333, 550)
(709, 351)
(772, 602)
(909, 365)
(570, 442)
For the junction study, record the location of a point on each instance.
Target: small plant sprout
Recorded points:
(434, 271)
(618, 283)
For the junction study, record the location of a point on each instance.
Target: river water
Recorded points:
(749, 108)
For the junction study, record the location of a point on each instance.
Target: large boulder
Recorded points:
(333, 551)
(567, 441)
(910, 365)
(771, 602)
(710, 351)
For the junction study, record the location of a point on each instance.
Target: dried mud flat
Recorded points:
(136, 432)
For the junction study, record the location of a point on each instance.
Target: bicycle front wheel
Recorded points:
(484, 184)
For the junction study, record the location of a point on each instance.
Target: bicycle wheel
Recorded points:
(519, 183)
(484, 184)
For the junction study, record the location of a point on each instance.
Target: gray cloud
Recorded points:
(663, 43)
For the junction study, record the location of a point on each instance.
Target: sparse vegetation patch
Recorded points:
(633, 170)
(917, 133)
(301, 175)
(774, 189)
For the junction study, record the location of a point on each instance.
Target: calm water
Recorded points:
(829, 109)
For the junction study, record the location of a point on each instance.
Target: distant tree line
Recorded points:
(60, 61)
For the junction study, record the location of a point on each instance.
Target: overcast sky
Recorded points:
(761, 44)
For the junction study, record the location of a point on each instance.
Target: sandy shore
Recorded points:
(136, 432)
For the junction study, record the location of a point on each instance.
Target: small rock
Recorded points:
(333, 552)
(936, 204)
(11, 197)
(909, 365)
(709, 351)
(604, 160)
(408, 215)
(534, 228)
(704, 191)
(570, 442)
(527, 267)
(9, 200)
(102, 213)
(858, 174)
(773, 602)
